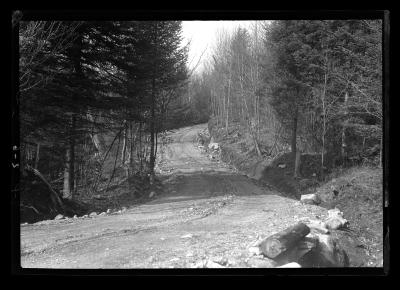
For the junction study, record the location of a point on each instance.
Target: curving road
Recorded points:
(207, 211)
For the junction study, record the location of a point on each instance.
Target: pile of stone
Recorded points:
(310, 199)
(335, 216)
(92, 214)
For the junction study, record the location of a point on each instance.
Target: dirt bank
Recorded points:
(357, 192)
(206, 212)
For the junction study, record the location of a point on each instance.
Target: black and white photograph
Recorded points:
(253, 143)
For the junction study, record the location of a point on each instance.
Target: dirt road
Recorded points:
(208, 212)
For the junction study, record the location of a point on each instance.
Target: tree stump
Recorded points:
(280, 242)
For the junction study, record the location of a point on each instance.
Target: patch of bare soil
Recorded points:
(358, 193)
(273, 170)
(206, 215)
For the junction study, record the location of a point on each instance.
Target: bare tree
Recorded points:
(34, 42)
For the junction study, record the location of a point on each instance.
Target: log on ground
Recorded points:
(280, 242)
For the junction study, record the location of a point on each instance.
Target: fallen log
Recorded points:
(294, 254)
(54, 195)
(280, 242)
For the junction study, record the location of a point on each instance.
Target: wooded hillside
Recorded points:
(309, 86)
(94, 99)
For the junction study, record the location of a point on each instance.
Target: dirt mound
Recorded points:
(358, 192)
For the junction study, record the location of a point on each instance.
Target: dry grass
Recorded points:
(359, 195)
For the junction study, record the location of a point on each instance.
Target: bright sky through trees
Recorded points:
(202, 35)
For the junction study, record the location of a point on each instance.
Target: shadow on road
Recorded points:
(199, 185)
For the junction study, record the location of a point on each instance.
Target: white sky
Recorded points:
(203, 34)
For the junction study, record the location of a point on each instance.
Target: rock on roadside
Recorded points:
(59, 217)
(211, 264)
(335, 220)
(290, 265)
(256, 262)
(188, 236)
(310, 199)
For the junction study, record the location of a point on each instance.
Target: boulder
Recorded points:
(310, 199)
(256, 262)
(219, 260)
(334, 212)
(335, 223)
(213, 146)
(59, 217)
(211, 264)
(290, 265)
(200, 264)
(188, 236)
(327, 254)
(255, 250)
(318, 226)
(335, 220)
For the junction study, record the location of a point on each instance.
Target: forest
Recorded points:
(307, 86)
(97, 97)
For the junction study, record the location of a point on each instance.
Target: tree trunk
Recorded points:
(297, 163)
(152, 129)
(227, 107)
(258, 116)
(381, 152)
(324, 115)
(124, 144)
(280, 242)
(69, 172)
(156, 145)
(256, 146)
(67, 188)
(54, 195)
(343, 148)
(140, 146)
(37, 156)
(97, 141)
(94, 186)
(115, 164)
(131, 155)
(294, 134)
(223, 113)
(323, 150)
